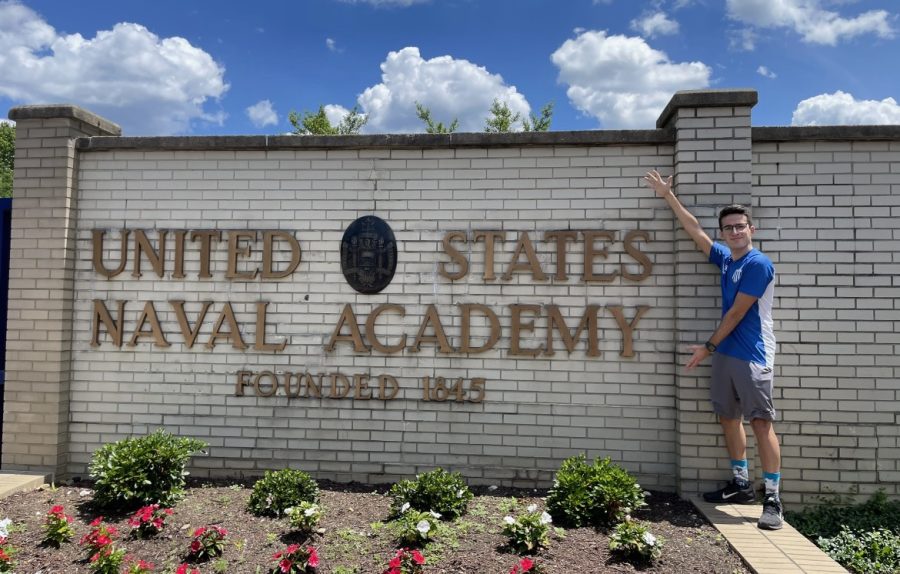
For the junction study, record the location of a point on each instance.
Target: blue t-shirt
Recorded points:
(753, 339)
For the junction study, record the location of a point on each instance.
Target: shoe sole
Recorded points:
(730, 501)
(769, 527)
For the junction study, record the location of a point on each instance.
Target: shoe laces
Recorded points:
(772, 500)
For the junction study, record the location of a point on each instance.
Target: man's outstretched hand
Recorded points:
(662, 186)
(699, 353)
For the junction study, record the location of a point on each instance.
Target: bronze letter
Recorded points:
(370, 329)
(157, 259)
(533, 265)
(347, 317)
(383, 381)
(206, 239)
(97, 241)
(455, 255)
(489, 237)
(345, 386)
(114, 329)
(268, 238)
(561, 238)
(235, 249)
(241, 382)
(588, 321)
(467, 309)
(258, 388)
(260, 343)
(149, 313)
(178, 273)
(638, 255)
(518, 326)
(590, 254)
(234, 331)
(626, 327)
(361, 386)
(432, 316)
(190, 335)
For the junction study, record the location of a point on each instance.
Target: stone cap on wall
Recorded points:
(826, 133)
(392, 141)
(64, 111)
(707, 99)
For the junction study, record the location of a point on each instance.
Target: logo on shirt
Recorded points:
(736, 276)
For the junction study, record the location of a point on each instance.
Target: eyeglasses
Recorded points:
(739, 227)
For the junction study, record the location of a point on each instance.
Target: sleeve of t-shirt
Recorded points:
(755, 278)
(717, 254)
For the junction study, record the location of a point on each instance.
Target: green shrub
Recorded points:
(598, 495)
(143, 470)
(529, 532)
(282, 489)
(874, 552)
(633, 540)
(443, 492)
(414, 528)
(826, 520)
(304, 517)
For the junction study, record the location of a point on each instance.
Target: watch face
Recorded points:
(710, 347)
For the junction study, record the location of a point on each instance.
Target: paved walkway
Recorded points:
(11, 483)
(784, 551)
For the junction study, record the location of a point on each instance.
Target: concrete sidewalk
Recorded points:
(12, 482)
(784, 551)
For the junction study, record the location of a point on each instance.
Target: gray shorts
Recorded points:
(741, 388)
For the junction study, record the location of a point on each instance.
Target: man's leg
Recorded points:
(740, 489)
(735, 438)
(770, 456)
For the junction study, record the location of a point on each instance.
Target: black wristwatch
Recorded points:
(710, 347)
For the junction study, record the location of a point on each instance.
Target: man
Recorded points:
(742, 349)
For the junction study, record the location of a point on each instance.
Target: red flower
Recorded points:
(285, 565)
(313, 561)
(3, 554)
(395, 562)
(97, 521)
(56, 509)
(200, 531)
(526, 564)
(417, 557)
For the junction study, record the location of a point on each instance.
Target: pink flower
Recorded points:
(56, 509)
(417, 557)
(97, 521)
(285, 565)
(526, 564)
(200, 531)
(313, 561)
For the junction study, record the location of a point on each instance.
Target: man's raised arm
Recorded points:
(663, 188)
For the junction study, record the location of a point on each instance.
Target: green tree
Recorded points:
(7, 158)
(539, 124)
(424, 114)
(502, 118)
(318, 124)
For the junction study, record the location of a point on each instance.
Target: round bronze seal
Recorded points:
(369, 254)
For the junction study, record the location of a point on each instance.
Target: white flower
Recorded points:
(289, 510)
(460, 492)
(509, 520)
(531, 508)
(4, 526)
(84, 492)
(435, 514)
(546, 518)
(649, 539)
(423, 527)
(404, 508)
(310, 511)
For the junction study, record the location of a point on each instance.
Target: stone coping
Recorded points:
(66, 111)
(740, 97)
(382, 141)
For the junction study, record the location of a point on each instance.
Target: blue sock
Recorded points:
(773, 480)
(741, 473)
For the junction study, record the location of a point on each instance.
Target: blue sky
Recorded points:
(229, 67)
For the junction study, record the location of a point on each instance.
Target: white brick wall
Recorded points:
(537, 410)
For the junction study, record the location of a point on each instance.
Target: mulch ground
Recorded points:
(351, 541)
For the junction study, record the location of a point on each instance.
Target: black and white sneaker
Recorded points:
(771, 518)
(731, 494)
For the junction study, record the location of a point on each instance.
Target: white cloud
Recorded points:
(622, 81)
(807, 17)
(602, 2)
(146, 84)
(841, 108)
(262, 114)
(331, 44)
(449, 87)
(387, 3)
(766, 72)
(655, 24)
(10, 122)
(335, 113)
(744, 39)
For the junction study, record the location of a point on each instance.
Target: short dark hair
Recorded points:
(731, 210)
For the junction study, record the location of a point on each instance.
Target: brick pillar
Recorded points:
(41, 281)
(712, 169)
